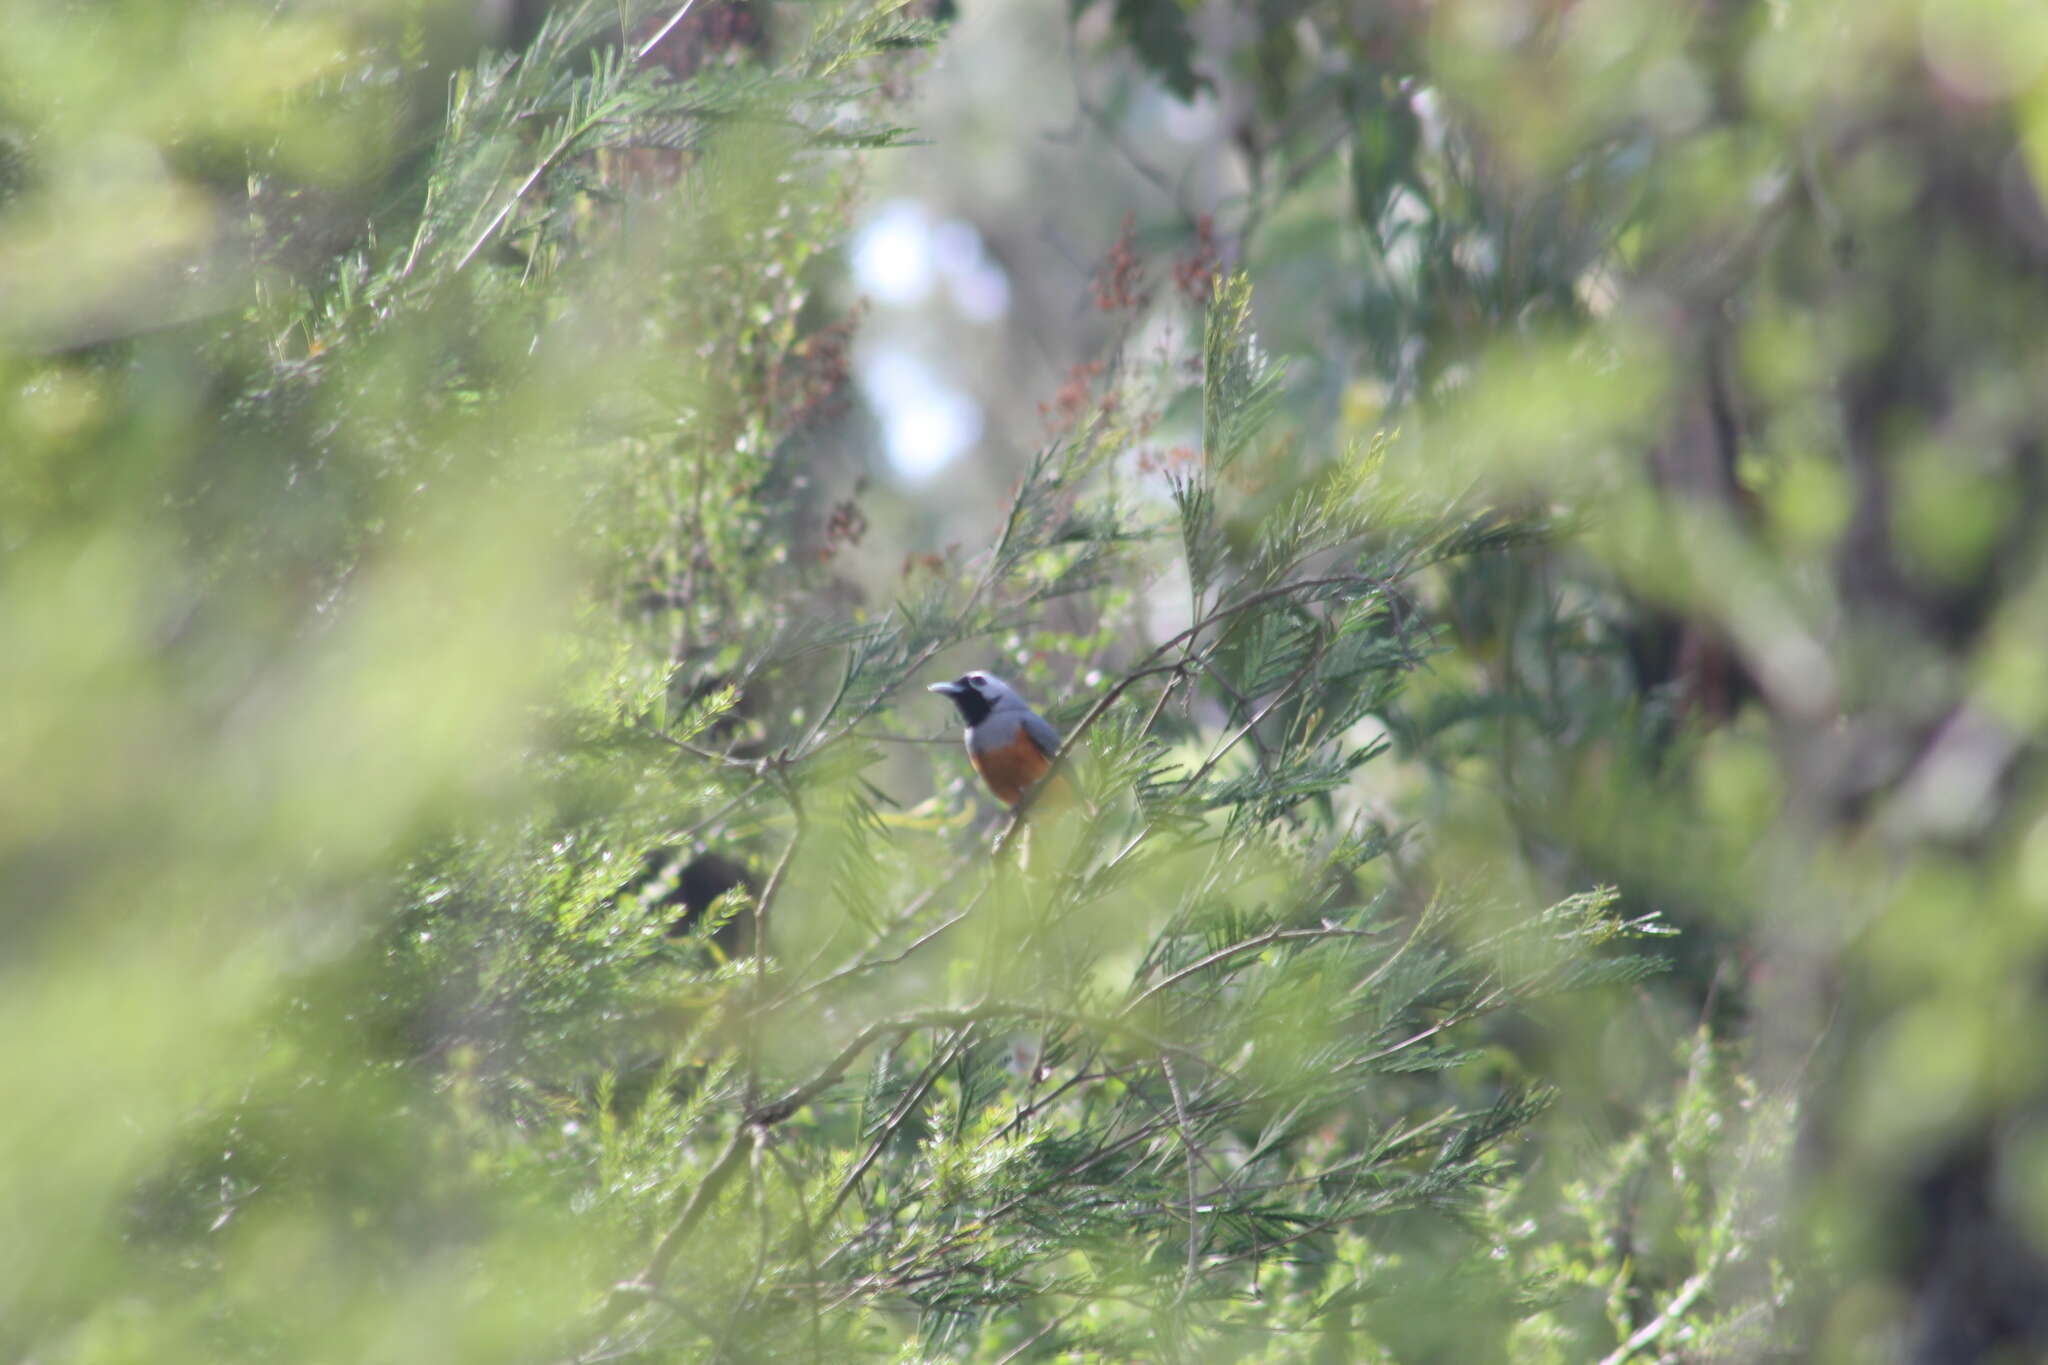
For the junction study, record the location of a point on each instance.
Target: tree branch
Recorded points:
(1147, 668)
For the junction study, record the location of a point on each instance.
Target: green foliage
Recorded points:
(1665, 1241)
(522, 941)
(486, 879)
(1723, 323)
(312, 465)
(1150, 1043)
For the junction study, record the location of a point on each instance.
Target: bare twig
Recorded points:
(1189, 1154)
(1147, 667)
(1251, 726)
(776, 1110)
(647, 1283)
(1110, 133)
(808, 1238)
(872, 963)
(1681, 1303)
(640, 53)
(1040, 1335)
(562, 148)
(1258, 942)
(942, 1059)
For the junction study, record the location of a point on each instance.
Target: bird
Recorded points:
(1009, 744)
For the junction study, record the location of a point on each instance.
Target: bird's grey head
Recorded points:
(975, 694)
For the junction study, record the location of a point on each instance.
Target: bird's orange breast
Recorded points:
(1010, 769)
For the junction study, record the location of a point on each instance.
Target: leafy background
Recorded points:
(1527, 512)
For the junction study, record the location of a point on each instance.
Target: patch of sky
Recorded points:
(905, 259)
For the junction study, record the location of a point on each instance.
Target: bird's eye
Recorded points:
(975, 679)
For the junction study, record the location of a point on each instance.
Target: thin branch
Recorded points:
(779, 1109)
(807, 1237)
(1277, 934)
(1165, 694)
(648, 1282)
(1189, 1154)
(640, 53)
(1244, 703)
(560, 150)
(684, 837)
(1106, 128)
(1251, 726)
(1036, 1337)
(871, 964)
(1148, 668)
(764, 906)
(684, 746)
(776, 1110)
(1681, 1303)
(764, 1239)
(766, 901)
(1142, 1133)
(1484, 1005)
(1025, 1113)
(911, 1099)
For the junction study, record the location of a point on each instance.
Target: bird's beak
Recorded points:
(948, 688)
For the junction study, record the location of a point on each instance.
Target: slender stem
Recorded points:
(1189, 1153)
(561, 149)
(1032, 1340)
(648, 1281)
(1251, 726)
(640, 53)
(896, 1118)
(1239, 949)
(1680, 1304)
(766, 903)
(1147, 668)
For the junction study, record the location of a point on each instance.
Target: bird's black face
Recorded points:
(970, 694)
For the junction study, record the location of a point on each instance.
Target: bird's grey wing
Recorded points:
(1042, 734)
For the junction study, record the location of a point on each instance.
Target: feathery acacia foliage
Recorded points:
(1080, 1088)
(658, 1005)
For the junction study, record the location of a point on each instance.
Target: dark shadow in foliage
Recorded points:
(686, 882)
